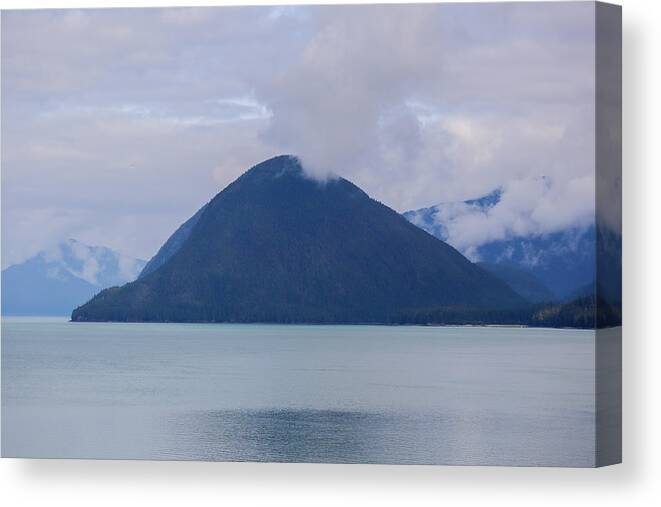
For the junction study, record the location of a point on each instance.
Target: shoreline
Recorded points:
(67, 319)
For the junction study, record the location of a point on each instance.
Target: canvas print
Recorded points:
(338, 234)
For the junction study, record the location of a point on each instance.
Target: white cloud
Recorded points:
(129, 268)
(89, 265)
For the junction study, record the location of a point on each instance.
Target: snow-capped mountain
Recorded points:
(57, 280)
(563, 261)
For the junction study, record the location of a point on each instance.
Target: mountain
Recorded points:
(522, 281)
(277, 246)
(563, 261)
(56, 281)
(173, 244)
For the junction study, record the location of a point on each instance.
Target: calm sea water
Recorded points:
(340, 394)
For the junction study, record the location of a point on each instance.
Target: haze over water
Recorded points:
(363, 394)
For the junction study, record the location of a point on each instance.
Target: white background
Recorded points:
(636, 482)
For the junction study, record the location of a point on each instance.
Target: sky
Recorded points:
(118, 124)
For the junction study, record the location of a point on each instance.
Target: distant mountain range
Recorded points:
(540, 267)
(57, 280)
(277, 246)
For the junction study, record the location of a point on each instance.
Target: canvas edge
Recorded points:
(608, 218)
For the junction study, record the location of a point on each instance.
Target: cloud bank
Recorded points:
(118, 124)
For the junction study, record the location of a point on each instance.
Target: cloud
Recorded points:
(128, 268)
(361, 63)
(119, 124)
(527, 207)
(88, 264)
(72, 258)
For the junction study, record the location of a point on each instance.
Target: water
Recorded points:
(340, 394)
